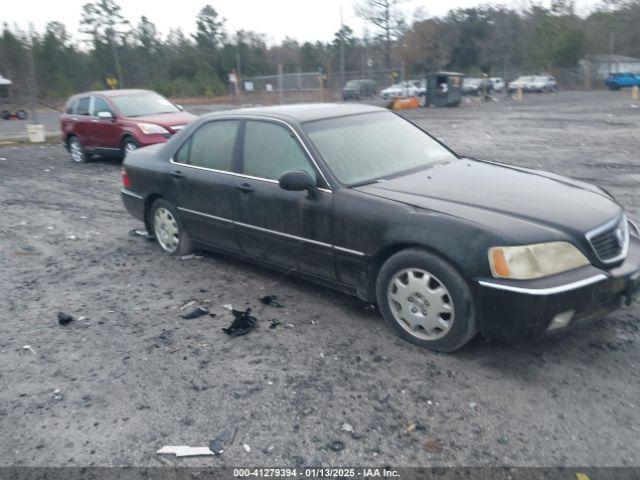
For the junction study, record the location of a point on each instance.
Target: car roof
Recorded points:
(113, 93)
(303, 112)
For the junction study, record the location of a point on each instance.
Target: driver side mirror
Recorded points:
(105, 115)
(297, 181)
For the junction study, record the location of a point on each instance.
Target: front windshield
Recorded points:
(140, 104)
(363, 148)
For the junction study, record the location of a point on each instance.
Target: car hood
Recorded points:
(482, 191)
(168, 120)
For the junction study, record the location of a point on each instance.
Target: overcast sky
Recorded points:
(300, 19)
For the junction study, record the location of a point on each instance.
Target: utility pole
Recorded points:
(341, 46)
(116, 58)
(238, 74)
(33, 84)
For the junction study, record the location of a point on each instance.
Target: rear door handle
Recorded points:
(245, 188)
(177, 174)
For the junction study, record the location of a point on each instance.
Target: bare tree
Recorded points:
(384, 15)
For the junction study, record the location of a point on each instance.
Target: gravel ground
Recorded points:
(129, 375)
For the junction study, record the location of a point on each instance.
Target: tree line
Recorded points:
(496, 40)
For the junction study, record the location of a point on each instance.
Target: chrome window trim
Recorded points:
(275, 232)
(131, 194)
(237, 174)
(603, 228)
(549, 290)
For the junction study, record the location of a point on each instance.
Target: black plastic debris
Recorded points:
(336, 446)
(217, 444)
(242, 324)
(272, 301)
(195, 313)
(274, 324)
(141, 233)
(64, 318)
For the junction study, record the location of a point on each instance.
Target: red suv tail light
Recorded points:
(125, 179)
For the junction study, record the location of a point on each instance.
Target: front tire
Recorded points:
(129, 145)
(76, 150)
(425, 301)
(168, 230)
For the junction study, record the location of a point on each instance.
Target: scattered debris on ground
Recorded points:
(242, 324)
(346, 427)
(64, 318)
(410, 428)
(29, 348)
(246, 447)
(432, 446)
(272, 301)
(184, 451)
(217, 444)
(336, 446)
(190, 303)
(138, 232)
(274, 324)
(190, 257)
(228, 306)
(195, 313)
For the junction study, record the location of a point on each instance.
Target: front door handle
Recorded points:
(245, 188)
(177, 174)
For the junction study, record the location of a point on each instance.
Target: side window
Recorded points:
(211, 146)
(100, 105)
(72, 106)
(83, 106)
(271, 150)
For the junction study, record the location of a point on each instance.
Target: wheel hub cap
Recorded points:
(76, 152)
(166, 230)
(420, 303)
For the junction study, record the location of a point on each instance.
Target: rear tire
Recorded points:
(76, 150)
(439, 315)
(167, 229)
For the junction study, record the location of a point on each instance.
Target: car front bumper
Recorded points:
(527, 310)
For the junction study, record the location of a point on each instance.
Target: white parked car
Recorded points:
(497, 84)
(404, 89)
(533, 83)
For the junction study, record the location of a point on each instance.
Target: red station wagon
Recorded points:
(115, 122)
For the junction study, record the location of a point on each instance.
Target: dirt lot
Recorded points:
(129, 375)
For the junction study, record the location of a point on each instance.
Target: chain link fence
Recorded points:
(309, 86)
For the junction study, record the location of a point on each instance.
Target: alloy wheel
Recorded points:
(75, 149)
(129, 147)
(421, 303)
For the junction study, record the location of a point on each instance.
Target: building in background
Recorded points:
(600, 66)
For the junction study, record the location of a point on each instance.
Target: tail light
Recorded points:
(125, 179)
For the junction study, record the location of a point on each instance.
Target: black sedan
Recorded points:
(362, 200)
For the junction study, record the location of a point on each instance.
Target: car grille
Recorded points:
(611, 241)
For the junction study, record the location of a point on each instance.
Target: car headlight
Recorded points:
(526, 262)
(152, 128)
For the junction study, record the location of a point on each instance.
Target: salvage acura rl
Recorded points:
(358, 198)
